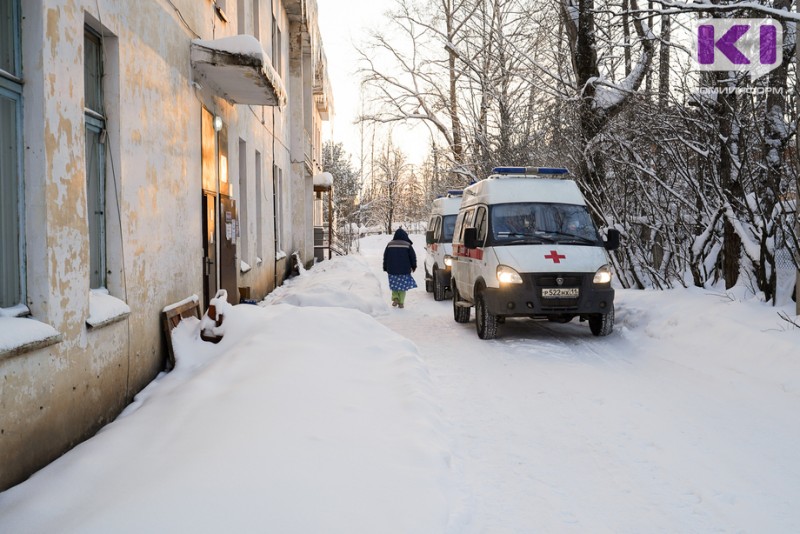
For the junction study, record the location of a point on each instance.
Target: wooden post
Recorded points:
(330, 222)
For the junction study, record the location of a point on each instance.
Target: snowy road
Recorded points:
(327, 410)
(555, 430)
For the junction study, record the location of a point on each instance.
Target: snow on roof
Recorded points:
(518, 189)
(246, 45)
(237, 68)
(323, 179)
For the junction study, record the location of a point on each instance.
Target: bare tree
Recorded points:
(422, 83)
(385, 200)
(346, 192)
(695, 169)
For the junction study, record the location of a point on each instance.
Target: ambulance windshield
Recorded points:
(538, 222)
(448, 227)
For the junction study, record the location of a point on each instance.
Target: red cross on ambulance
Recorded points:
(555, 256)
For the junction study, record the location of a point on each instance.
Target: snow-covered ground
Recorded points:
(326, 410)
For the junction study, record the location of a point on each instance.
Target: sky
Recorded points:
(324, 409)
(343, 26)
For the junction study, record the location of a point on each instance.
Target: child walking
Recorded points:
(399, 261)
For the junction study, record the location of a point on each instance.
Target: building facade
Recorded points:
(149, 151)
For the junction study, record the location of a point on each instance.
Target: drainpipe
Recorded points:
(275, 201)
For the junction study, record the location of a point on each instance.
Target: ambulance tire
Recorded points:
(485, 322)
(438, 286)
(460, 313)
(602, 325)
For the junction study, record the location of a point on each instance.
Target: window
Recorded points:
(95, 157)
(259, 210)
(448, 225)
(257, 19)
(537, 222)
(480, 224)
(432, 227)
(277, 178)
(12, 234)
(9, 37)
(276, 46)
(240, 17)
(243, 202)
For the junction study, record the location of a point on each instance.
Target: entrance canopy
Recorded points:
(236, 68)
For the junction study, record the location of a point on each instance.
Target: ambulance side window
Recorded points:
(469, 216)
(481, 224)
(461, 223)
(437, 230)
(457, 229)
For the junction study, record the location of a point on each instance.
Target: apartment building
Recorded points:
(149, 150)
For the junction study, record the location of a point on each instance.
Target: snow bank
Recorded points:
(299, 420)
(346, 282)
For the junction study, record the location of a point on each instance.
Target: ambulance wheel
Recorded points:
(602, 324)
(428, 282)
(485, 322)
(438, 286)
(460, 313)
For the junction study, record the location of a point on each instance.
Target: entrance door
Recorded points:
(228, 229)
(209, 246)
(220, 227)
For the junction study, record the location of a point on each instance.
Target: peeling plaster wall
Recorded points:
(55, 397)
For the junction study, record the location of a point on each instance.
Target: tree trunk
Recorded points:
(663, 62)
(729, 180)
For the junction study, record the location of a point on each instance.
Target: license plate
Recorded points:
(560, 292)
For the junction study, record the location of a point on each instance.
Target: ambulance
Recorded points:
(524, 245)
(438, 243)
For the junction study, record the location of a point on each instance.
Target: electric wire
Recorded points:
(119, 214)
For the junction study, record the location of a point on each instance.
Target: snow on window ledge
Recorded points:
(105, 309)
(20, 310)
(23, 334)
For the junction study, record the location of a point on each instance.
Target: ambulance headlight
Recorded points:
(507, 275)
(448, 261)
(603, 275)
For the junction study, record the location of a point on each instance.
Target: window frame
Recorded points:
(95, 124)
(277, 184)
(16, 40)
(11, 88)
(21, 264)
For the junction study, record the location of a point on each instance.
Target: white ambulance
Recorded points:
(525, 245)
(438, 243)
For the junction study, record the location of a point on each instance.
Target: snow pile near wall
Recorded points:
(346, 282)
(299, 420)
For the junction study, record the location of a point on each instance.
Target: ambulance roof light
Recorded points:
(530, 170)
